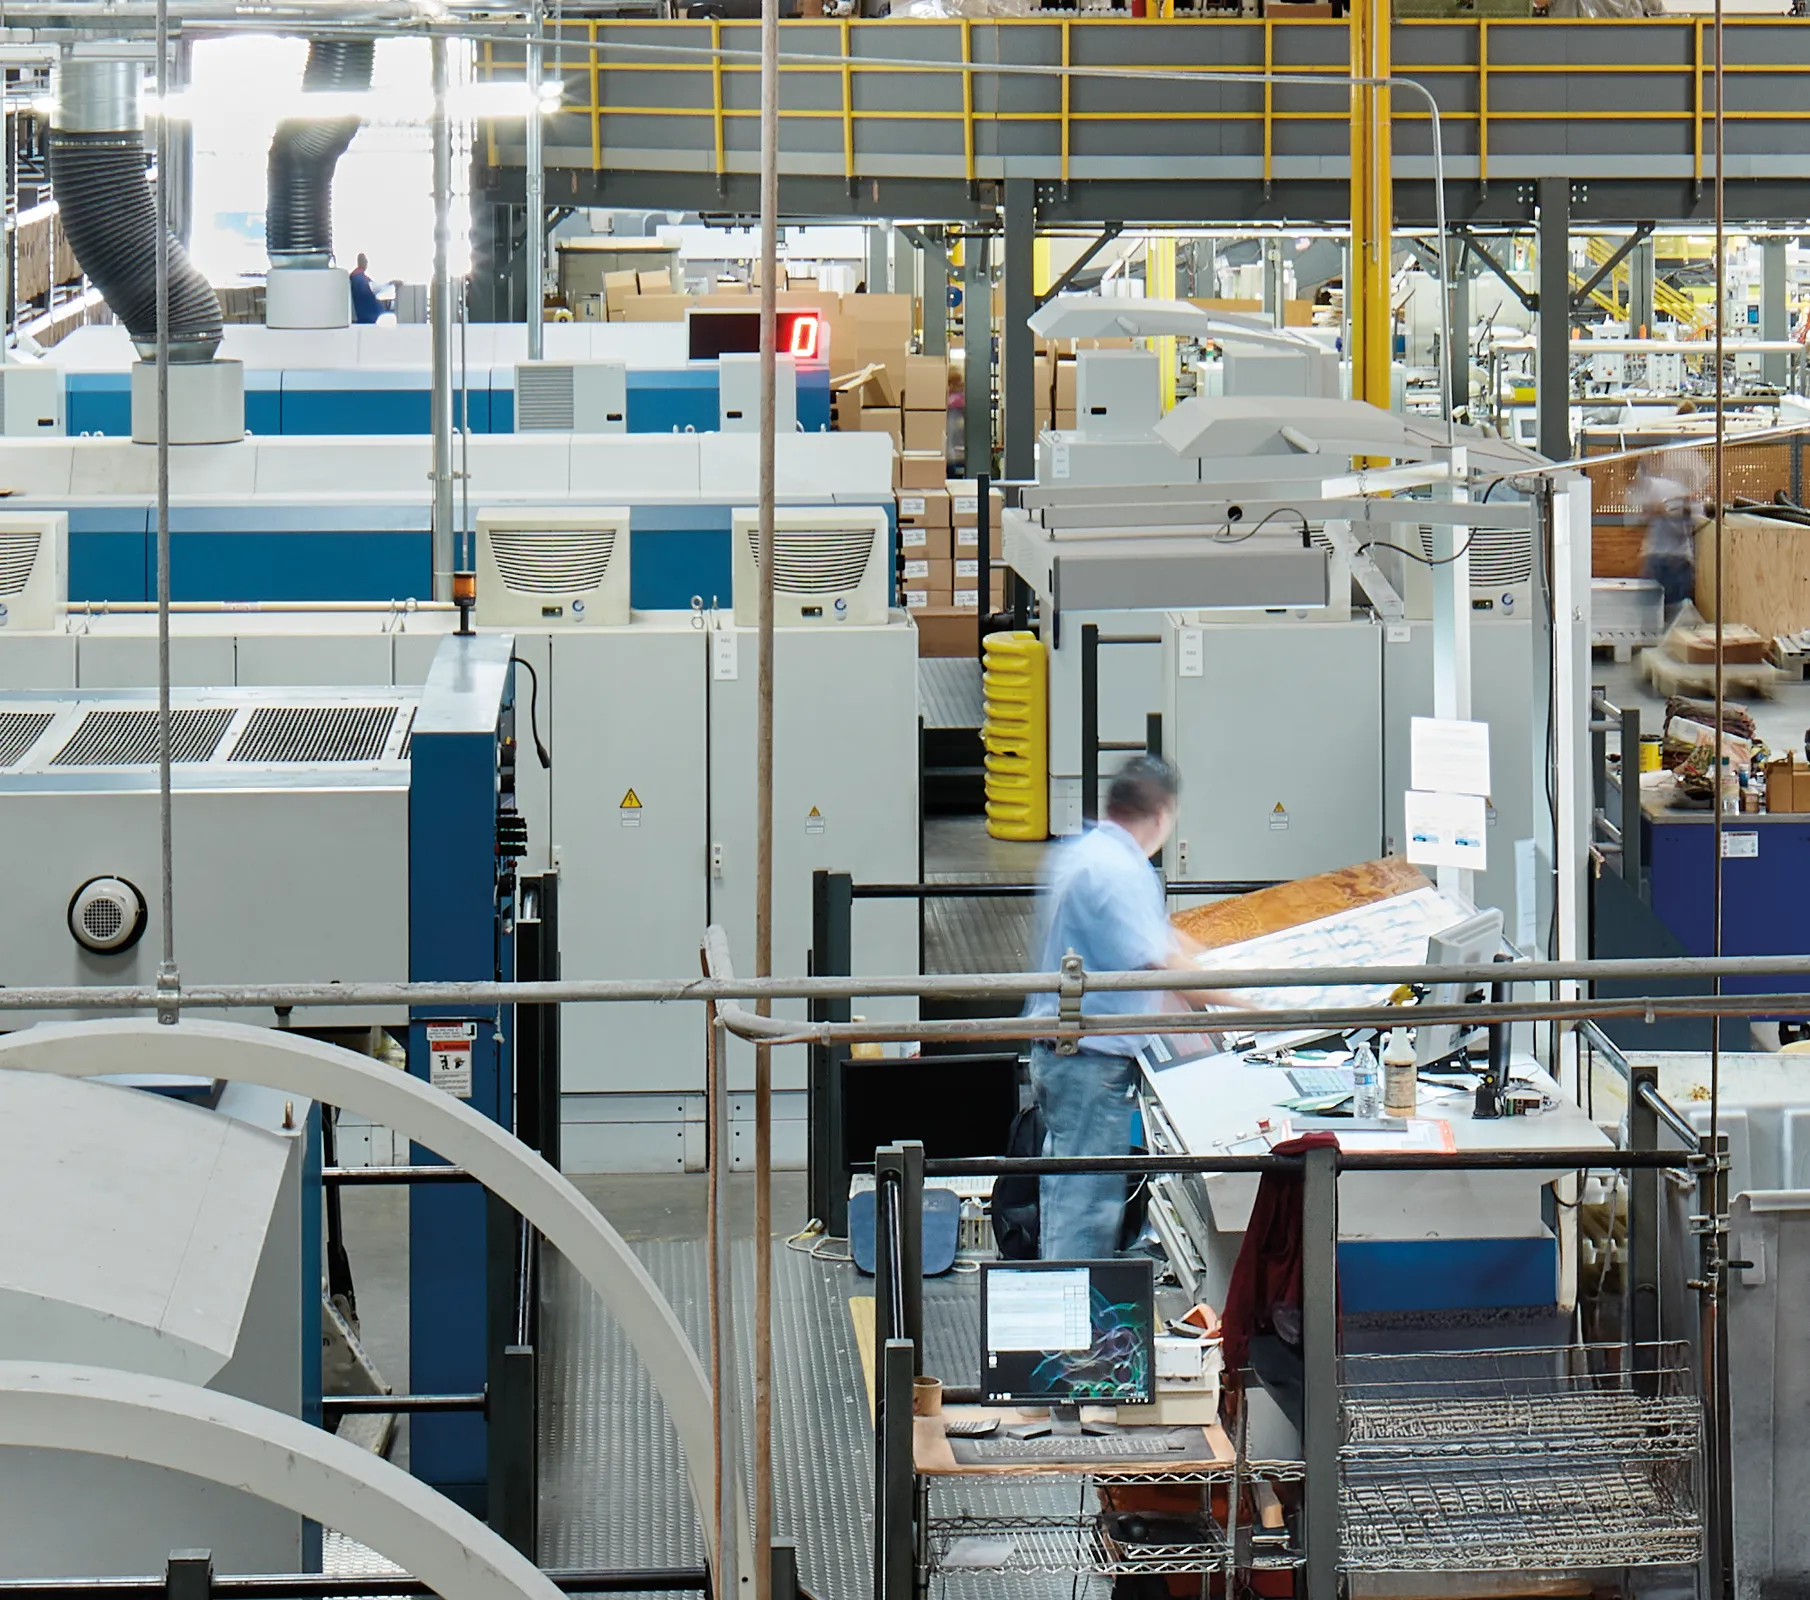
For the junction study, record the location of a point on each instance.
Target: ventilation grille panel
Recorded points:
(571, 561)
(18, 553)
(1500, 557)
(130, 739)
(19, 731)
(544, 401)
(315, 733)
(831, 561)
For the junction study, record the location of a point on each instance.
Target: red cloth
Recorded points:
(1267, 1272)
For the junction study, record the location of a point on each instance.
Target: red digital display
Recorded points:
(713, 332)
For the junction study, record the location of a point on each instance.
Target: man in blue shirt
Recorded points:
(1106, 904)
(366, 307)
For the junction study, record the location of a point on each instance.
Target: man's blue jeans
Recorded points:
(1086, 1104)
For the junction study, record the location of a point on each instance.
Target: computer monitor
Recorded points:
(1068, 1333)
(1471, 943)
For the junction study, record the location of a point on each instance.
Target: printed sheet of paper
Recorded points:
(1446, 830)
(1448, 757)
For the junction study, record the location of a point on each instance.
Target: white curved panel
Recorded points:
(507, 1168)
(128, 1416)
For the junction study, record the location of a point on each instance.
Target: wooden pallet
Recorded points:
(1740, 680)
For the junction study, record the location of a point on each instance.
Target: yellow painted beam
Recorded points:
(1367, 286)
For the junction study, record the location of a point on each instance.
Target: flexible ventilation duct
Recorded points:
(298, 219)
(97, 171)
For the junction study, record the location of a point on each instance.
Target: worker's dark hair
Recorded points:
(1145, 786)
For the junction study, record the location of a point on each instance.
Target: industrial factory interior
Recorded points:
(905, 799)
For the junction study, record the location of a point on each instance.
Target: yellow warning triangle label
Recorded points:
(815, 812)
(1279, 804)
(631, 801)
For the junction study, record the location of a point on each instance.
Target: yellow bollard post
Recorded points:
(1015, 681)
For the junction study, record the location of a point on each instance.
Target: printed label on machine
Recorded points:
(449, 1052)
(631, 810)
(814, 822)
(1191, 653)
(724, 659)
(1279, 818)
(1740, 846)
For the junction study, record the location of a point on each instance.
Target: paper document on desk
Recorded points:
(1390, 932)
(1429, 1134)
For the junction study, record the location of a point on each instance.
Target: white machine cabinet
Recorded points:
(1274, 730)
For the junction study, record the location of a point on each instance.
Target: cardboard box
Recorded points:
(924, 508)
(922, 469)
(882, 419)
(916, 599)
(1788, 784)
(945, 631)
(654, 282)
(655, 308)
(619, 288)
(926, 383)
(1063, 388)
(964, 503)
(927, 430)
(931, 574)
(968, 599)
(845, 412)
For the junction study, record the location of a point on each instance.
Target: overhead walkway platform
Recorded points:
(913, 119)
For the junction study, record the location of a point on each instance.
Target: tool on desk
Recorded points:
(1067, 1334)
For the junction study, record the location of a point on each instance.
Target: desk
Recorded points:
(1420, 1241)
(933, 1458)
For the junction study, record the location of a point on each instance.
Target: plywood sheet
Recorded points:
(1766, 583)
(1289, 905)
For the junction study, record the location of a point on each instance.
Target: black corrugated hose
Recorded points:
(106, 208)
(298, 218)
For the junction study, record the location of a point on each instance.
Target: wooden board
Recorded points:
(1288, 905)
(1615, 549)
(1767, 581)
(1669, 677)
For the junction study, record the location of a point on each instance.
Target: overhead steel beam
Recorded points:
(1553, 364)
(1580, 297)
(1081, 262)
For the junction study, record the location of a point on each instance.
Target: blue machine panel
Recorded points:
(98, 402)
(676, 552)
(356, 402)
(110, 554)
(1765, 897)
(455, 917)
(1447, 1274)
(279, 552)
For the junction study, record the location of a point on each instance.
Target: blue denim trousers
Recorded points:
(1086, 1104)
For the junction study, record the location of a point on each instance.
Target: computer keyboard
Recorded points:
(1067, 1447)
(1313, 1082)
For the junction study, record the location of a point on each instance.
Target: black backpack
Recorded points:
(1015, 1229)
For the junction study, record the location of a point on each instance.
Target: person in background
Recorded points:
(366, 307)
(1669, 494)
(1105, 903)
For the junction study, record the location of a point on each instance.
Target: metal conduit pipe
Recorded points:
(104, 200)
(298, 217)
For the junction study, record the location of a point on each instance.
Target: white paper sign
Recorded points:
(1740, 846)
(1449, 757)
(1446, 830)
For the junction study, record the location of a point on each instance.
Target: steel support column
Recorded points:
(1553, 382)
(879, 258)
(1275, 282)
(1775, 307)
(904, 264)
(934, 265)
(1641, 263)
(536, 181)
(1320, 1368)
(1460, 290)
(1018, 365)
(977, 356)
(1372, 206)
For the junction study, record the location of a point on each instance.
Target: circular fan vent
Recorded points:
(107, 915)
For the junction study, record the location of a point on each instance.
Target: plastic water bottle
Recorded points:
(1365, 1094)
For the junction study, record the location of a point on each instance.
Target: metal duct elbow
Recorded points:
(103, 194)
(298, 217)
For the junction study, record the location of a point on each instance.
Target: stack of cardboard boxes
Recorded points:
(939, 545)
(634, 297)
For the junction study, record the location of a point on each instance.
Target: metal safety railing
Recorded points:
(1494, 79)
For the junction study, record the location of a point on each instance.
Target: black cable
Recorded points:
(1257, 526)
(1417, 555)
(540, 749)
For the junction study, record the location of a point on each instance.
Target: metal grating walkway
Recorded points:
(949, 692)
(613, 1488)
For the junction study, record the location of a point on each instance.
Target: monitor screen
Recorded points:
(1068, 1332)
